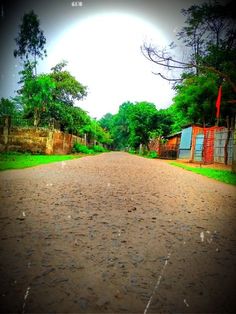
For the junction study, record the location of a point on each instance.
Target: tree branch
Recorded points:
(166, 61)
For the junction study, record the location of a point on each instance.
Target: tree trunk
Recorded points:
(35, 66)
(36, 117)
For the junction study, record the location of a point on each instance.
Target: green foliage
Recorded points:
(210, 32)
(51, 96)
(132, 151)
(80, 148)
(220, 175)
(98, 149)
(106, 121)
(46, 97)
(142, 120)
(119, 128)
(95, 132)
(152, 154)
(196, 99)
(67, 88)
(136, 123)
(10, 108)
(14, 160)
(36, 95)
(144, 153)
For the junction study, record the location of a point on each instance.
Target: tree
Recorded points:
(143, 120)
(36, 95)
(120, 126)
(106, 121)
(51, 96)
(211, 37)
(134, 124)
(9, 108)
(67, 88)
(209, 33)
(196, 99)
(31, 40)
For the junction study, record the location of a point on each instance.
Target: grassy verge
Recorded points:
(20, 161)
(225, 176)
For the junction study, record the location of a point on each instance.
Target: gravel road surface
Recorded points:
(116, 233)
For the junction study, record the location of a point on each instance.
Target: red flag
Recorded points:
(218, 102)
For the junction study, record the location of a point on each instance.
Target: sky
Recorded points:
(101, 41)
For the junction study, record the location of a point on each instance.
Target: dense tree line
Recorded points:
(136, 123)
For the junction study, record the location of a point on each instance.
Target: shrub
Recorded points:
(98, 149)
(152, 154)
(132, 151)
(79, 148)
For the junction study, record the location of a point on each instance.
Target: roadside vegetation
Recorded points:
(145, 153)
(18, 160)
(80, 148)
(15, 160)
(46, 99)
(225, 176)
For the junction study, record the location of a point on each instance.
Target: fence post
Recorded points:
(6, 130)
(234, 149)
(49, 143)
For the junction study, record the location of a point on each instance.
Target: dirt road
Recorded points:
(116, 233)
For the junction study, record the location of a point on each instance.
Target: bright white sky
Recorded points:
(103, 53)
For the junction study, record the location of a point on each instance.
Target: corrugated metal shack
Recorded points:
(167, 149)
(206, 145)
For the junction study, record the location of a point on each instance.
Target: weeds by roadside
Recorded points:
(225, 176)
(80, 148)
(147, 154)
(17, 160)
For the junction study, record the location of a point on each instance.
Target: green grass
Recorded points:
(20, 160)
(225, 176)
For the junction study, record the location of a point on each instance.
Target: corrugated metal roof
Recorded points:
(174, 134)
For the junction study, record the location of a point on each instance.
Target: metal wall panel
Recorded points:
(198, 152)
(184, 153)
(186, 138)
(219, 143)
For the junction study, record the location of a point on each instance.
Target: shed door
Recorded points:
(198, 147)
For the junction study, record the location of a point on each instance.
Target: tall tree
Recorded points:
(210, 34)
(31, 40)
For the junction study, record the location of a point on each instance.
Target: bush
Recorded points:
(132, 151)
(79, 148)
(152, 154)
(98, 149)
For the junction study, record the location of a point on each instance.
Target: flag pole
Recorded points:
(218, 105)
